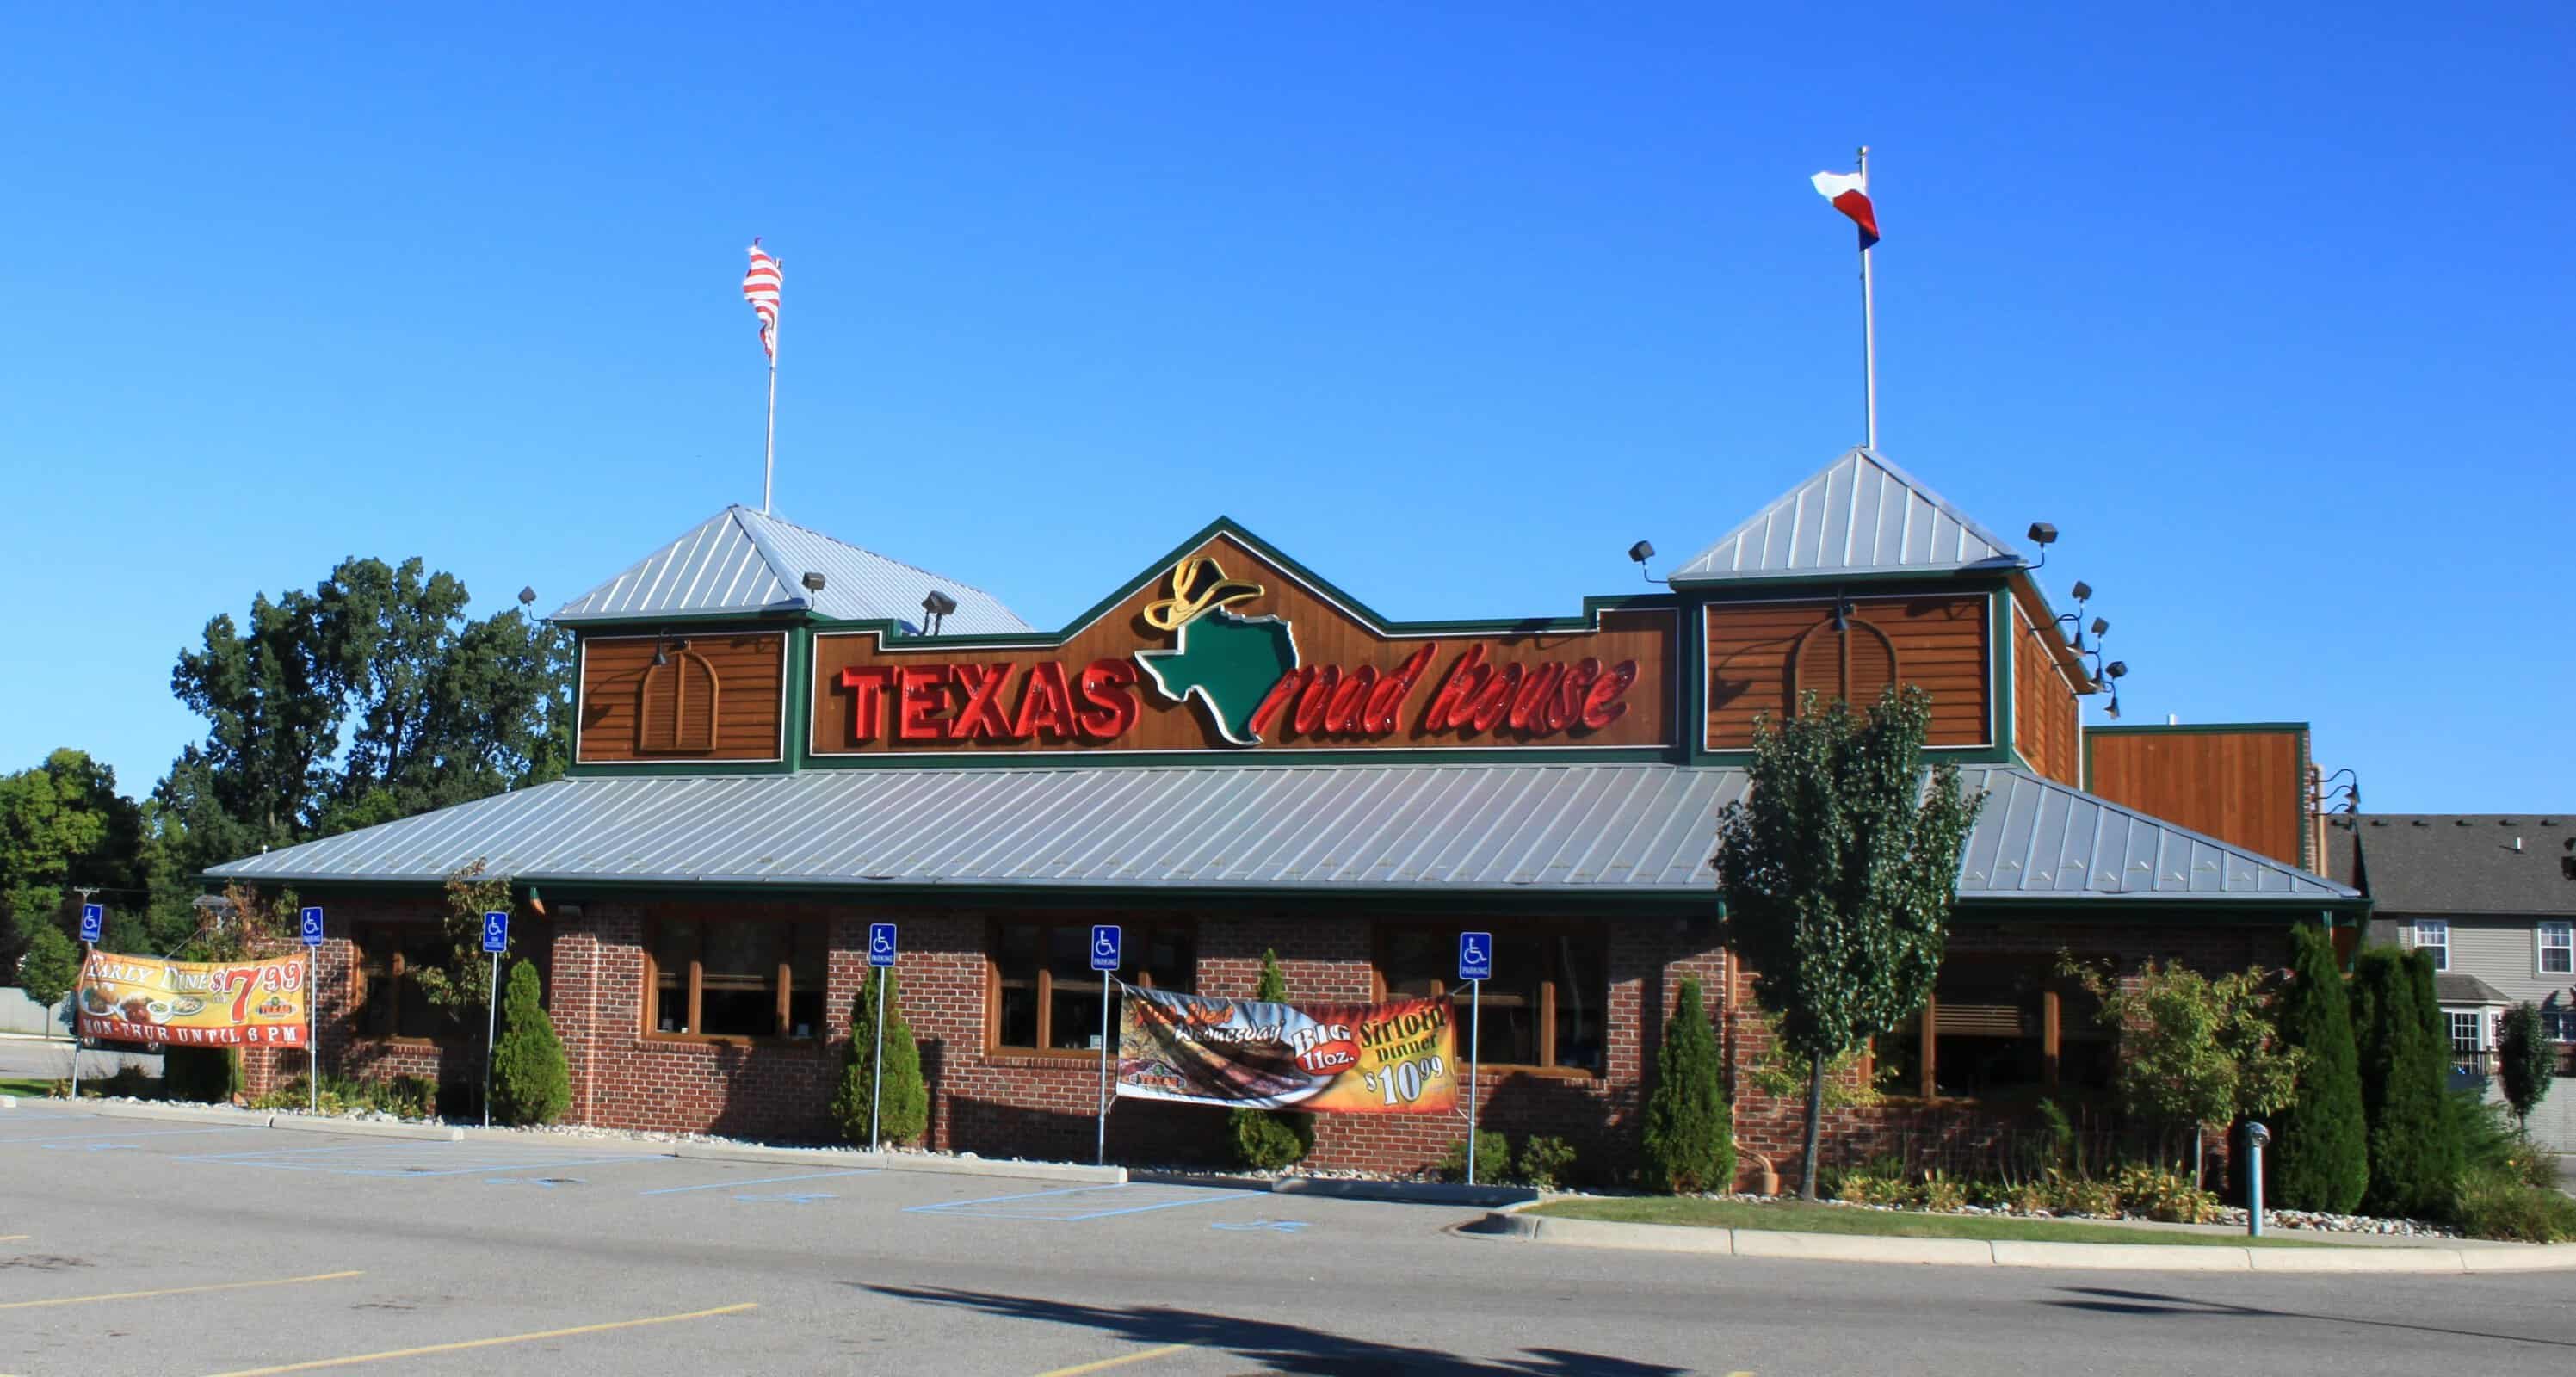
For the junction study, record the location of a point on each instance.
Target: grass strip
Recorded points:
(1799, 1217)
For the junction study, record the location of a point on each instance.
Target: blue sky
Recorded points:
(2265, 313)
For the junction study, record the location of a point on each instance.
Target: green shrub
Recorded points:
(906, 1115)
(2159, 1193)
(530, 1083)
(1939, 1192)
(2405, 1062)
(2083, 1195)
(1690, 1127)
(409, 1097)
(2526, 1062)
(2494, 1203)
(51, 964)
(1268, 1139)
(1545, 1161)
(1493, 1158)
(2321, 1160)
(206, 1075)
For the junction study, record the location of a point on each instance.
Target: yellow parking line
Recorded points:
(15, 1238)
(1107, 1363)
(486, 1343)
(177, 1291)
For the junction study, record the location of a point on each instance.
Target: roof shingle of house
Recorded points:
(2457, 862)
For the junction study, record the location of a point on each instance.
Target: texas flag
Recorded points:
(1849, 191)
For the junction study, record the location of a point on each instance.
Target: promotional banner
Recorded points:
(1400, 1057)
(193, 1003)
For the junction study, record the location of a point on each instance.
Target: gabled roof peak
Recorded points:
(742, 562)
(1860, 514)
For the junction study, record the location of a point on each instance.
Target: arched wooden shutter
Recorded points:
(675, 711)
(1855, 665)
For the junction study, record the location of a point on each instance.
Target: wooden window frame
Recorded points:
(695, 986)
(397, 970)
(1547, 989)
(2052, 1046)
(1045, 979)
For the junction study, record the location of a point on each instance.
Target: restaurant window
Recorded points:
(735, 978)
(2557, 948)
(2434, 935)
(1046, 996)
(392, 1003)
(1998, 1029)
(1547, 1005)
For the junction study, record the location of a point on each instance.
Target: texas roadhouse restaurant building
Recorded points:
(783, 738)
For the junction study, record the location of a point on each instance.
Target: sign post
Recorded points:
(881, 947)
(312, 932)
(1475, 966)
(1105, 940)
(496, 939)
(93, 923)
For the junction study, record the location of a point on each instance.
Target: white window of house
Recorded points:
(2557, 948)
(2559, 1024)
(2434, 935)
(2468, 1031)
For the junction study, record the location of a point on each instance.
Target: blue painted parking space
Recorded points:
(411, 1160)
(729, 1184)
(1077, 1204)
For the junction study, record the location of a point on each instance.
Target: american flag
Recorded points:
(760, 288)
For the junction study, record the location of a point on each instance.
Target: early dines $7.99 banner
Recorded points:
(1399, 1057)
(259, 1003)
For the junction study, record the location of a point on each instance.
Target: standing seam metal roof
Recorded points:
(1860, 514)
(740, 561)
(1636, 829)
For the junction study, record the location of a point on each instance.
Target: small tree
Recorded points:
(51, 965)
(530, 1084)
(2195, 1052)
(1267, 1139)
(2526, 1063)
(1838, 869)
(906, 1115)
(1690, 1128)
(462, 987)
(2323, 1158)
(2405, 1059)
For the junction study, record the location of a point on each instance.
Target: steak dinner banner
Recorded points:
(1400, 1057)
(193, 1003)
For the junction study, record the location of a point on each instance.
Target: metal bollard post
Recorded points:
(2255, 1137)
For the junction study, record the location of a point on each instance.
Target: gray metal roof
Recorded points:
(2038, 838)
(1642, 829)
(1858, 515)
(740, 561)
(2458, 863)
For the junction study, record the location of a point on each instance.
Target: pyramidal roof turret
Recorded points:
(740, 562)
(1858, 515)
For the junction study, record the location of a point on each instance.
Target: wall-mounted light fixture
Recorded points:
(2042, 535)
(813, 580)
(1641, 552)
(935, 609)
(663, 640)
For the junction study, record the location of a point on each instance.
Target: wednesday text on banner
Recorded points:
(252, 1003)
(1400, 1057)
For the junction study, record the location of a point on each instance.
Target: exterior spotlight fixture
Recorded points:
(2083, 591)
(813, 581)
(2043, 535)
(662, 639)
(2117, 669)
(526, 596)
(2101, 629)
(1641, 552)
(1842, 613)
(2113, 711)
(935, 609)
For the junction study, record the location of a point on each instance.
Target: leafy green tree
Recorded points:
(2525, 1061)
(530, 1083)
(2196, 1051)
(62, 826)
(2321, 1157)
(1838, 870)
(1690, 1127)
(48, 964)
(1267, 1139)
(461, 987)
(906, 1115)
(2404, 1052)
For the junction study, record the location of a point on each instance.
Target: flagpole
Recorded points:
(1868, 325)
(769, 441)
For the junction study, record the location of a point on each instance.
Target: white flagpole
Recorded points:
(1868, 324)
(769, 443)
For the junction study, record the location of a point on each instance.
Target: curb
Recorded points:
(1332, 1188)
(249, 1118)
(1072, 1172)
(1970, 1252)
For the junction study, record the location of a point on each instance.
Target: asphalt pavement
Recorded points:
(150, 1247)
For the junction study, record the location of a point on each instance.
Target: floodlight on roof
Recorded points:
(2083, 590)
(813, 580)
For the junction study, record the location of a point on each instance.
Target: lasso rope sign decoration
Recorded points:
(1197, 585)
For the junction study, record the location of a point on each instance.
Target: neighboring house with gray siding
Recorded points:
(2493, 897)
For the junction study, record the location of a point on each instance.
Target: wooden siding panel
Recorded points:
(750, 673)
(2238, 785)
(2044, 707)
(1941, 646)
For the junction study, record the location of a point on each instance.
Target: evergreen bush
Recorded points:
(1493, 1158)
(906, 1116)
(2321, 1157)
(2526, 1062)
(1690, 1127)
(530, 1083)
(2404, 1054)
(1268, 1139)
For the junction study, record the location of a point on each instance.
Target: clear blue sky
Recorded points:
(2268, 315)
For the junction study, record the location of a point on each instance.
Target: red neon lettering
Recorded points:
(1348, 712)
(1496, 698)
(1602, 706)
(1108, 705)
(1458, 690)
(1278, 698)
(918, 699)
(866, 686)
(1386, 705)
(982, 716)
(1309, 717)
(1046, 704)
(1529, 704)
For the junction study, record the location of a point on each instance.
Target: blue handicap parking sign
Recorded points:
(1104, 947)
(1475, 956)
(880, 944)
(496, 932)
(93, 918)
(312, 927)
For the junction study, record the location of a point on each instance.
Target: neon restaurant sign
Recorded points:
(1227, 650)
